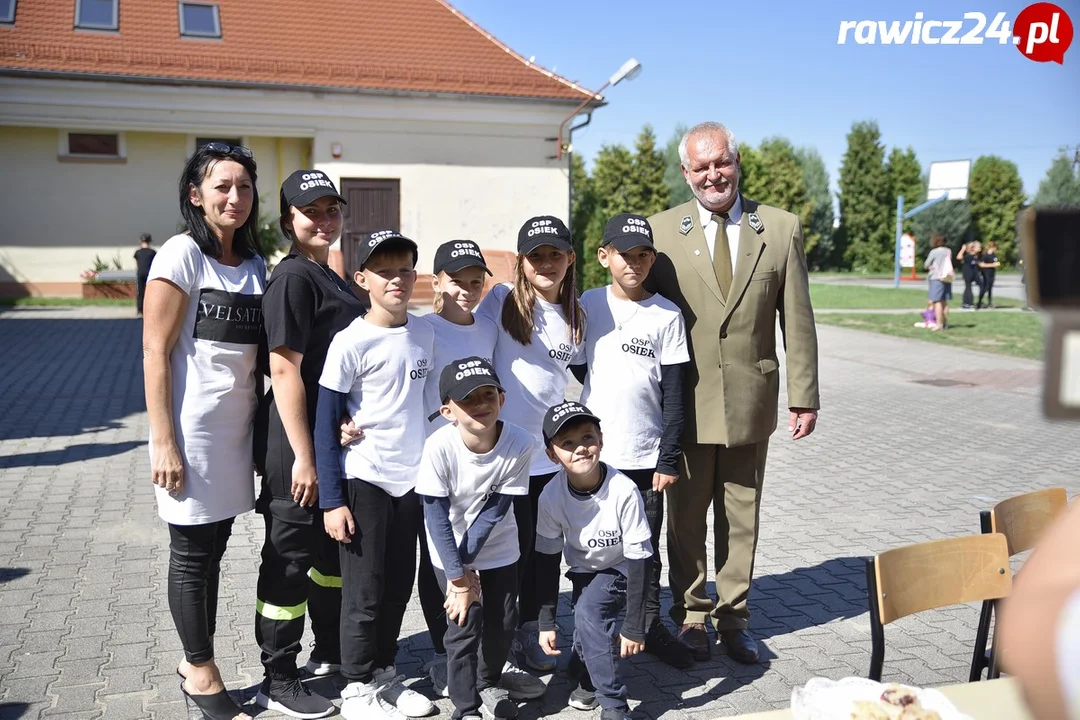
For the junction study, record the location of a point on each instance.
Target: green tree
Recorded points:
(996, 195)
(951, 218)
(752, 173)
(818, 232)
(905, 178)
(615, 192)
(583, 200)
(678, 191)
(650, 193)
(867, 227)
(1061, 186)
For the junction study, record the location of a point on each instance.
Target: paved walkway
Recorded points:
(914, 441)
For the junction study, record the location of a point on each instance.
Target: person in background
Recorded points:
(939, 277)
(969, 254)
(143, 257)
(989, 264)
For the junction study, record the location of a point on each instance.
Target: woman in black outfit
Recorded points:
(305, 305)
(989, 264)
(969, 256)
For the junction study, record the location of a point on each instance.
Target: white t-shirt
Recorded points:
(534, 376)
(213, 382)
(625, 344)
(450, 469)
(382, 370)
(595, 532)
(454, 342)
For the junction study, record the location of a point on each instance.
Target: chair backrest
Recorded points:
(1024, 518)
(942, 572)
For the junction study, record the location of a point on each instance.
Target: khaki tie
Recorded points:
(721, 258)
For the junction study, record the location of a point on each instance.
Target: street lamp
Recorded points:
(628, 71)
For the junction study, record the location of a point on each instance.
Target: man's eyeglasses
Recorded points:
(227, 149)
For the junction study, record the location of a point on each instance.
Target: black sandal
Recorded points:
(218, 706)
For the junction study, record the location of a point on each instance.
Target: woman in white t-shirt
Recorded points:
(541, 333)
(202, 319)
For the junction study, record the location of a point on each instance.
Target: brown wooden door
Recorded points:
(373, 205)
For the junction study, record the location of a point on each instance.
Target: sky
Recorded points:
(775, 67)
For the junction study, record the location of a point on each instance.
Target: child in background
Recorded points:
(375, 370)
(471, 470)
(635, 347)
(594, 516)
(541, 332)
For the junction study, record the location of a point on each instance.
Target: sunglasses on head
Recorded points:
(227, 149)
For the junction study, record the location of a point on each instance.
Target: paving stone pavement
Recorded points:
(915, 439)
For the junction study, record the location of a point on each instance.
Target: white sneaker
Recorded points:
(521, 685)
(319, 669)
(361, 701)
(392, 690)
(436, 670)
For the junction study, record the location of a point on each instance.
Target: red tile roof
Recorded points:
(403, 45)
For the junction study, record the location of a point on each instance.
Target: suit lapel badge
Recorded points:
(686, 225)
(755, 222)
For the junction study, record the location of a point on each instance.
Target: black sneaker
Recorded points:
(286, 694)
(660, 643)
(582, 699)
(614, 714)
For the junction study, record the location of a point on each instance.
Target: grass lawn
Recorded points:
(63, 301)
(1011, 333)
(861, 297)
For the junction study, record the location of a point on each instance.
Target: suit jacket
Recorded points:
(733, 382)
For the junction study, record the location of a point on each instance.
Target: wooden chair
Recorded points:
(930, 575)
(1022, 520)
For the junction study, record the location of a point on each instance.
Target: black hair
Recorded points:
(245, 238)
(285, 217)
(145, 238)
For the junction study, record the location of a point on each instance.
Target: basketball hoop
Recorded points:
(948, 181)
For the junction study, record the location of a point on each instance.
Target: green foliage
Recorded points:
(780, 179)
(615, 192)
(752, 181)
(905, 178)
(584, 199)
(951, 218)
(1061, 186)
(866, 214)
(818, 231)
(650, 189)
(268, 236)
(996, 195)
(678, 191)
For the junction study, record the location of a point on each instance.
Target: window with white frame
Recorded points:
(7, 11)
(83, 145)
(199, 20)
(97, 14)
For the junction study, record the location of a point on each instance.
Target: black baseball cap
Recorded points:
(304, 187)
(544, 230)
(379, 238)
(457, 255)
(461, 377)
(559, 415)
(626, 231)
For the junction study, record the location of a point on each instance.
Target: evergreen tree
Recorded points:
(650, 194)
(583, 203)
(752, 173)
(780, 180)
(678, 191)
(615, 191)
(905, 178)
(996, 195)
(867, 225)
(818, 232)
(1061, 186)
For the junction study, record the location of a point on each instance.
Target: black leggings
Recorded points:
(195, 553)
(525, 515)
(987, 287)
(971, 275)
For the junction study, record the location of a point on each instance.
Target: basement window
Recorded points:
(97, 14)
(7, 12)
(91, 146)
(199, 20)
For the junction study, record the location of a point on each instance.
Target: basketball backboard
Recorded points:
(948, 178)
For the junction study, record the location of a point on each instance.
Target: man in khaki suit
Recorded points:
(731, 265)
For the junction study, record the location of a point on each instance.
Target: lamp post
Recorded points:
(627, 71)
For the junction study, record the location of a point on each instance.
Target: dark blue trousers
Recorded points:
(598, 599)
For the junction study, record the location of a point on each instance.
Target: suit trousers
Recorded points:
(729, 479)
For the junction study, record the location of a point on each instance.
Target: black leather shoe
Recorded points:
(740, 646)
(660, 643)
(695, 637)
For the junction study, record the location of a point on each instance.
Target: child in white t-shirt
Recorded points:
(595, 517)
(636, 354)
(374, 372)
(470, 472)
(541, 332)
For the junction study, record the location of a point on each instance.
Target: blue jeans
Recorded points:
(598, 599)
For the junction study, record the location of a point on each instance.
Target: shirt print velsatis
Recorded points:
(230, 317)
